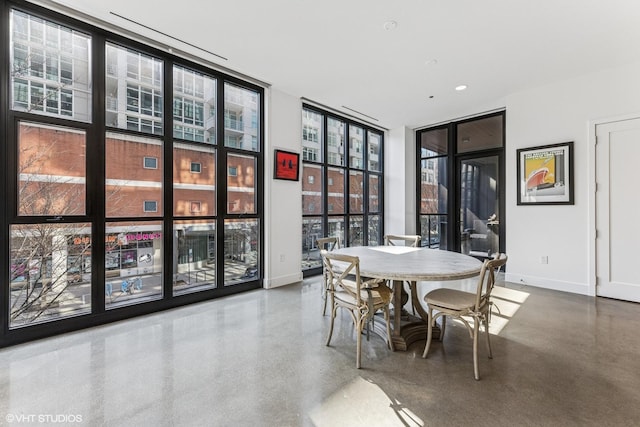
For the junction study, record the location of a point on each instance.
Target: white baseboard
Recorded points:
(543, 282)
(275, 282)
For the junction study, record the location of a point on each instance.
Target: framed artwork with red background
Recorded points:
(286, 165)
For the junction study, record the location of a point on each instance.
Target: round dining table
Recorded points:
(399, 264)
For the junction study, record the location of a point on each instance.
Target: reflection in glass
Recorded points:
(375, 232)
(480, 134)
(433, 185)
(241, 251)
(50, 70)
(311, 231)
(312, 125)
(51, 170)
(133, 263)
(356, 192)
(311, 189)
(194, 256)
(335, 142)
(133, 90)
(241, 184)
(479, 206)
(131, 189)
(335, 191)
(375, 148)
(194, 106)
(241, 118)
(375, 193)
(194, 179)
(50, 272)
(336, 228)
(356, 231)
(433, 230)
(356, 147)
(434, 142)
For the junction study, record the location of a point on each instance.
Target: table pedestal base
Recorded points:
(412, 329)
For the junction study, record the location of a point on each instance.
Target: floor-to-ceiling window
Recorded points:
(460, 195)
(342, 183)
(109, 140)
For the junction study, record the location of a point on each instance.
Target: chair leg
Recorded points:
(429, 331)
(442, 327)
(476, 326)
(359, 327)
(486, 331)
(334, 308)
(325, 294)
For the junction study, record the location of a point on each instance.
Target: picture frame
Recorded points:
(545, 175)
(286, 165)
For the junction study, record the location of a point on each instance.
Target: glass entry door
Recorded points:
(479, 203)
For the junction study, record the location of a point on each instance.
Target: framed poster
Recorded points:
(545, 175)
(286, 165)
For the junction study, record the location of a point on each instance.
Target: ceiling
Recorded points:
(339, 54)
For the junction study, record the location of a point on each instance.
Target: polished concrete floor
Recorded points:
(259, 359)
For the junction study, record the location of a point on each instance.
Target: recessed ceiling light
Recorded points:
(461, 87)
(390, 25)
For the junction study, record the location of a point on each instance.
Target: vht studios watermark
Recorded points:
(44, 418)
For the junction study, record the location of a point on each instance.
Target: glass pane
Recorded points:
(356, 231)
(480, 134)
(375, 231)
(356, 147)
(433, 143)
(241, 184)
(194, 180)
(311, 189)
(433, 185)
(312, 125)
(131, 189)
(375, 149)
(479, 206)
(67, 91)
(194, 106)
(356, 192)
(134, 96)
(194, 256)
(133, 263)
(375, 193)
(50, 275)
(311, 231)
(335, 142)
(433, 229)
(241, 251)
(335, 191)
(336, 228)
(51, 170)
(241, 117)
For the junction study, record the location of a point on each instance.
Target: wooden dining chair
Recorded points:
(361, 298)
(326, 244)
(409, 240)
(461, 305)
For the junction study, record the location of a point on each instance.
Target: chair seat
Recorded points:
(380, 294)
(450, 298)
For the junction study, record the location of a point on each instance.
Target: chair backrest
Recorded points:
(409, 240)
(342, 270)
(328, 243)
(487, 278)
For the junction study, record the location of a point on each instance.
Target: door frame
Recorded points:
(591, 159)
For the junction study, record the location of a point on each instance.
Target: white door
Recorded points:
(618, 209)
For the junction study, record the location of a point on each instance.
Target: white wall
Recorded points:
(560, 112)
(400, 182)
(283, 205)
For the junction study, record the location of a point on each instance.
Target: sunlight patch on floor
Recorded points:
(362, 403)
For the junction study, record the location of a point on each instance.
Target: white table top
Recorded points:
(412, 264)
